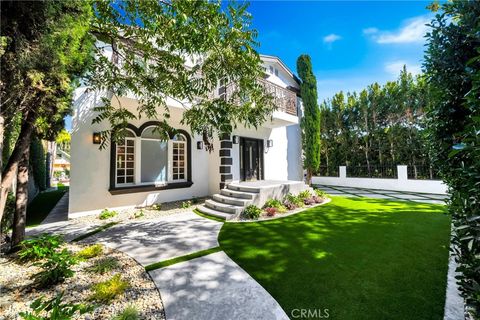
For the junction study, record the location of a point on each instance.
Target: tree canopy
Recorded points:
(310, 122)
(452, 62)
(379, 126)
(181, 50)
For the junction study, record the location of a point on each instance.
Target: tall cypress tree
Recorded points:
(311, 116)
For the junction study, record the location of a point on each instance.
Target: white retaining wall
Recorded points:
(402, 183)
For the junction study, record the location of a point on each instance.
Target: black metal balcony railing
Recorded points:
(284, 99)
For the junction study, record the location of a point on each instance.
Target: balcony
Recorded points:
(285, 101)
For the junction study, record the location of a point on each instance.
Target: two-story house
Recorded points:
(145, 169)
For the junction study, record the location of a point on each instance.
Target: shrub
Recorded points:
(309, 201)
(305, 194)
(107, 214)
(54, 309)
(104, 265)
(90, 251)
(129, 313)
(318, 199)
(295, 200)
(156, 206)
(195, 200)
(289, 205)
(274, 203)
(186, 204)
(108, 290)
(138, 214)
(252, 212)
(39, 247)
(271, 211)
(56, 268)
(320, 193)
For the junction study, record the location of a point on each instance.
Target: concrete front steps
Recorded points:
(233, 199)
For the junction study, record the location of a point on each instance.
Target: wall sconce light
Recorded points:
(236, 139)
(269, 143)
(97, 138)
(199, 145)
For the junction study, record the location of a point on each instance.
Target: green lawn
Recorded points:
(360, 258)
(42, 204)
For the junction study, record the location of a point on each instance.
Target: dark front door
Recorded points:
(251, 159)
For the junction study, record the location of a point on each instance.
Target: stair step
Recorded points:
(214, 213)
(243, 188)
(223, 207)
(231, 200)
(237, 194)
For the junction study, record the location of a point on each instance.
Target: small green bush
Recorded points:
(274, 203)
(56, 268)
(54, 309)
(108, 290)
(138, 214)
(195, 200)
(107, 214)
(104, 265)
(295, 200)
(320, 193)
(156, 206)
(90, 251)
(186, 204)
(129, 313)
(39, 247)
(305, 194)
(252, 212)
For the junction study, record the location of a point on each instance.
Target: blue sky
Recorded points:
(352, 43)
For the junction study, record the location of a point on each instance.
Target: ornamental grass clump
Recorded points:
(90, 251)
(104, 265)
(129, 313)
(108, 290)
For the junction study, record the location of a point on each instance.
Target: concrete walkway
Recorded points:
(213, 287)
(59, 212)
(163, 238)
(384, 194)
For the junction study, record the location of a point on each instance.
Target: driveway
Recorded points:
(384, 194)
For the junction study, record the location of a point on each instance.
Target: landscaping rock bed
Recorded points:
(165, 209)
(18, 290)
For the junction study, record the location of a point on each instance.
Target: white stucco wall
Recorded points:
(90, 167)
(400, 184)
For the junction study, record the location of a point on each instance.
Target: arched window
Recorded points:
(125, 160)
(178, 146)
(147, 157)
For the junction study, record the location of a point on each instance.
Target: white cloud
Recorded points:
(412, 31)
(394, 67)
(331, 38)
(370, 30)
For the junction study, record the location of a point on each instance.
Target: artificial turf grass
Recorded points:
(207, 216)
(361, 258)
(169, 262)
(42, 204)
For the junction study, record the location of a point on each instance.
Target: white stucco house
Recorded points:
(144, 169)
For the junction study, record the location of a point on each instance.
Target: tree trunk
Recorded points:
(22, 144)
(21, 200)
(2, 126)
(309, 176)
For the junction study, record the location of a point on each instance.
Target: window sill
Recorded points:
(147, 188)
